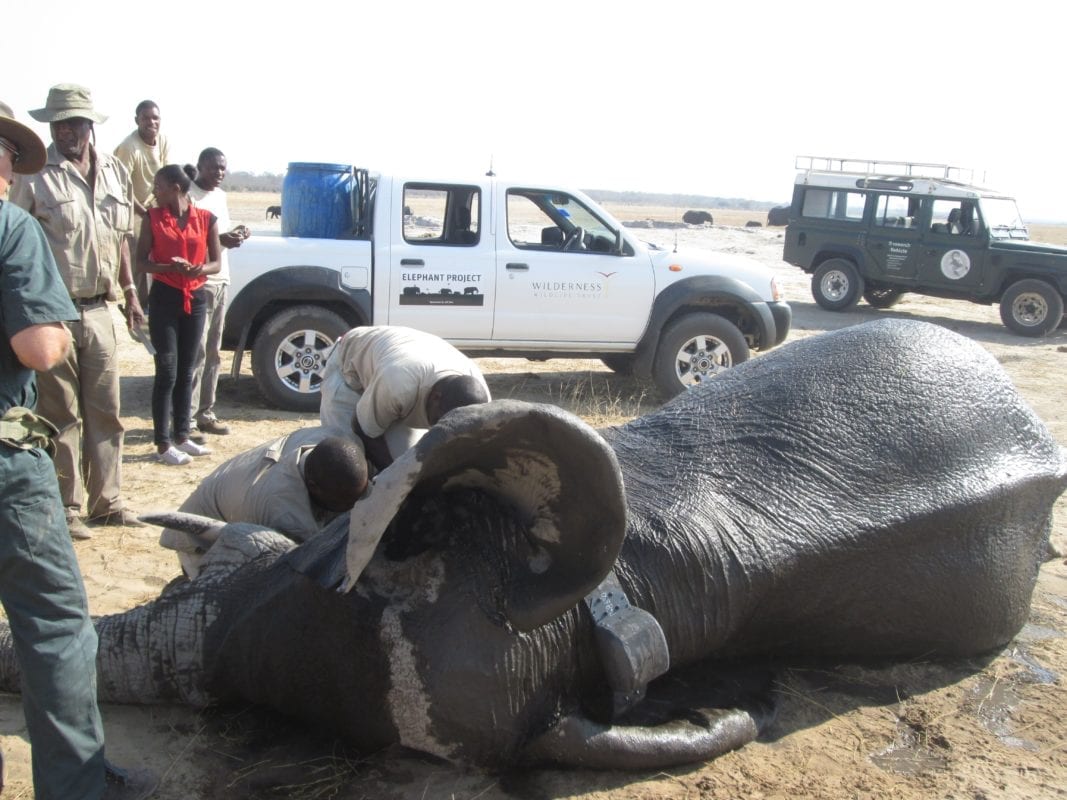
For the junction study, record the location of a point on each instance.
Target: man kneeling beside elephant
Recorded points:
(294, 485)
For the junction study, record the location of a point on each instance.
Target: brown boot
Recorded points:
(78, 529)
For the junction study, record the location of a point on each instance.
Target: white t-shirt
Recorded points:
(215, 202)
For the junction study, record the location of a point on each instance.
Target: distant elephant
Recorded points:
(697, 218)
(274, 212)
(753, 224)
(516, 578)
(779, 215)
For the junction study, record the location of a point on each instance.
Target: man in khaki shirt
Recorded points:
(84, 202)
(388, 384)
(294, 485)
(143, 153)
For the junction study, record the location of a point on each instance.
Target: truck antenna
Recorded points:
(490, 173)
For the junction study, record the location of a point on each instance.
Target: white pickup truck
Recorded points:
(498, 269)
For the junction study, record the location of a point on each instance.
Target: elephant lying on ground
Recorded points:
(880, 491)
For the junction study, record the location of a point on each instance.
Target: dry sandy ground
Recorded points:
(980, 729)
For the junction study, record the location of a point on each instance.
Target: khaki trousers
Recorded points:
(80, 396)
(208, 355)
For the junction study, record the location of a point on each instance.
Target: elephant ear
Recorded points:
(560, 477)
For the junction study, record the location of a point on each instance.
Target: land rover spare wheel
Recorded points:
(836, 285)
(1031, 307)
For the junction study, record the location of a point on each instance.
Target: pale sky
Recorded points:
(653, 96)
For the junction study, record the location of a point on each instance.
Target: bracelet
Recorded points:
(129, 287)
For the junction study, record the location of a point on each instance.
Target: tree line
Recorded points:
(271, 182)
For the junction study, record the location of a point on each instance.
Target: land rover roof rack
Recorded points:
(883, 169)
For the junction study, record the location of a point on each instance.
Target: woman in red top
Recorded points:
(179, 246)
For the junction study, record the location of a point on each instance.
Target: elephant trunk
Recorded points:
(154, 653)
(151, 654)
(578, 741)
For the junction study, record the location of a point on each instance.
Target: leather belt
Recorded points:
(89, 301)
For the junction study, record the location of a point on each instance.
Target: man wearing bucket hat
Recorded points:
(83, 200)
(40, 585)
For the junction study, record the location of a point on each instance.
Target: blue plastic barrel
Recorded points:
(317, 201)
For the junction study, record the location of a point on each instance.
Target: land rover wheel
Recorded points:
(694, 349)
(882, 297)
(1031, 308)
(289, 354)
(836, 285)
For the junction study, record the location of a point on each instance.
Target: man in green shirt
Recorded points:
(41, 587)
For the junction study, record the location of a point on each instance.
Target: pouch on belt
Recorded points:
(24, 430)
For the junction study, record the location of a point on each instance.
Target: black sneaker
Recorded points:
(128, 784)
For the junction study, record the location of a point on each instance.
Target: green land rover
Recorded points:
(877, 229)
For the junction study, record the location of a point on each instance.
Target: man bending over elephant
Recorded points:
(388, 384)
(294, 485)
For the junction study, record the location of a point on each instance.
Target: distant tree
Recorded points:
(253, 182)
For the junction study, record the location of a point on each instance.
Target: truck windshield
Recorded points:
(1003, 219)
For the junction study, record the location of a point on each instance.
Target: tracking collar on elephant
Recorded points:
(630, 642)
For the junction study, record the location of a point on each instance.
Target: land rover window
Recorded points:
(1002, 218)
(894, 211)
(955, 217)
(438, 215)
(831, 204)
(543, 221)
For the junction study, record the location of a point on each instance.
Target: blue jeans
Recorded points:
(54, 640)
(176, 337)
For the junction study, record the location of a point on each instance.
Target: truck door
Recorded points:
(954, 250)
(560, 277)
(893, 238)
(441, 261)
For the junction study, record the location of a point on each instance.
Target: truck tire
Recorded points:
(836, 285)
(1031, 308)
(882, 296)
(694, 349)
(289, 354)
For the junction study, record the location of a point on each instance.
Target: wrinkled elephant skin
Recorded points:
(880, 491)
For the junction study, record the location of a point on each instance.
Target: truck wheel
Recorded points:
(1031, 308)
(836, 285)
(883, 297)
(619, 363)
(694, 349)
(289, 354)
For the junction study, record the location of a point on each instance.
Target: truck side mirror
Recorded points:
(618, 243)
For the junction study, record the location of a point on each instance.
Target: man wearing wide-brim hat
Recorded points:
(83, 200)
(41, 587)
